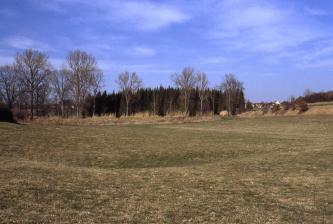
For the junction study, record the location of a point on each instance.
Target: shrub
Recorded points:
(286, 105)
(249, 106)
(6, 114)
(19, 115)
(265, 108)
(275, 108)
(301, 105)
(292, 105)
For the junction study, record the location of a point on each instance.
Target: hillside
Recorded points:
(319, 108)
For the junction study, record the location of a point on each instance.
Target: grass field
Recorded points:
(258, 170)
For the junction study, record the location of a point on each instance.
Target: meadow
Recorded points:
(241, 170)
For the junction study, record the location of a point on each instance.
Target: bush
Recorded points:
(19, 115)
(249, 106)
(286, 105)
(275, 108)
(6, 114)
(292, 105)
(301, 105)
(265, 108)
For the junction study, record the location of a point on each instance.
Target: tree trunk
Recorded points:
(78, 106)
(77, 110)
(127, 103)
(62, 108)
(185, 104)
(213, 99)
(94, 107)
(170, 106)
(154, 103)
(201, 106)
(31, 105)
(37, 99)
(229, 99)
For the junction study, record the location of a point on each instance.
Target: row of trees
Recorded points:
(162, 101)
(188, 84)
(313, 97)
(32, 84)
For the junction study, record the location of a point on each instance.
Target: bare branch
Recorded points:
(33, 68)
(82, 68)
(129, 84)
(186, 81)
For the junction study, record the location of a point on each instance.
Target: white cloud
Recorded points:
(22, 42)
(213, 60)
(144, 15)
(256, 26)
(147, 15)
(142, 51)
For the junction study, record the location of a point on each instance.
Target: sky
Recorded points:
(277, 48)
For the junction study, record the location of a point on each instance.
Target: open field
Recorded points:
(255, 170)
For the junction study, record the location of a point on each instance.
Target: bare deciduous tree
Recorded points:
(186, 81)
(9, 85)
(128, 84)
(33, 68)
(231, 87)
(307, 92)
(81, 66)
(60, 87)
(202, 84)
(97, 84)
(42, 93)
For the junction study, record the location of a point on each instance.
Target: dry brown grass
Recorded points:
(325, 108)
(260, 170)
(139, 118)
(320, 108)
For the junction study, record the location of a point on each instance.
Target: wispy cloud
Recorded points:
(256, 26)
(5, 60)
(142, 51)
(315, 11)
(7, 12)
(147, 15)
(318, 56)
(143, 15)
(22, 42)
(213, 60)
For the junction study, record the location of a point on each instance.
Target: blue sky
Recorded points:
(278, 48)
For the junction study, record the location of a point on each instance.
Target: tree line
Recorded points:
(31, 86)
(162, 101)
(313, 97)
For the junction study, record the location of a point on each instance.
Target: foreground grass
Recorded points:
(261, 170)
